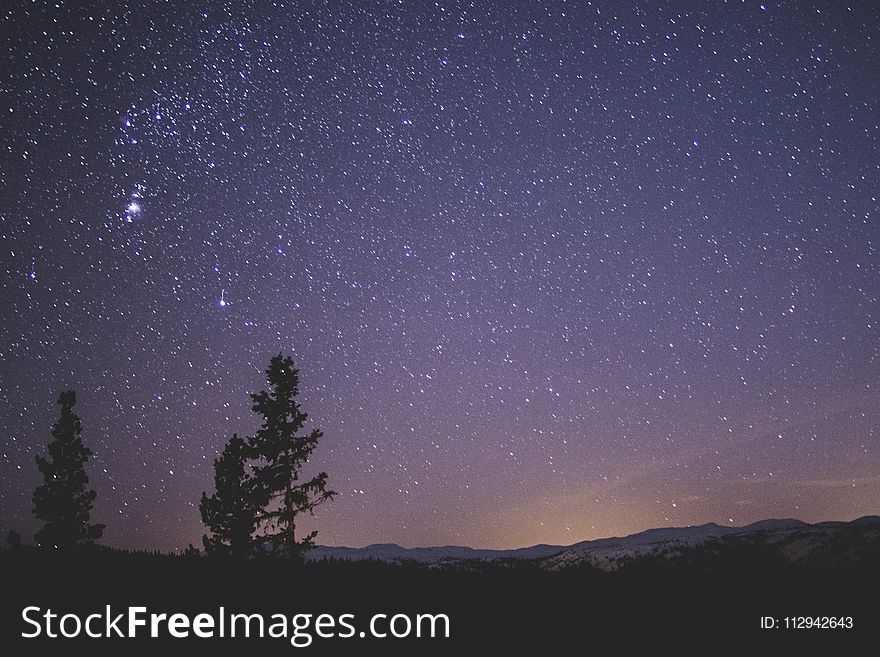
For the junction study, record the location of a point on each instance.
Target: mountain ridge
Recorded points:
(609, 552)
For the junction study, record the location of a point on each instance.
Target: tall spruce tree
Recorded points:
(231, 512)
(63, 501)
(280, 451)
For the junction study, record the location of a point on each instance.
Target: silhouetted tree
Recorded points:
(63, 500)
(14, 539)
(280, 451)
(231, 512)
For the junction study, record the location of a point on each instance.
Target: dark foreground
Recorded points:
(848, 558)
(717, 593)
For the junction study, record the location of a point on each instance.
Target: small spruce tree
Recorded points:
(231, 512)
(13, 538)
(280, 451)
(63, 501)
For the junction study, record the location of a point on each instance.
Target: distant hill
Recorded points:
(793, 539)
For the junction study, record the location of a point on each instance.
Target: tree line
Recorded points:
(258, 496)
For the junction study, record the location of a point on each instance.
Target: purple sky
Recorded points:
(550, 271)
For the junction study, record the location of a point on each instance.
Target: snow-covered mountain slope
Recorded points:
(797, 539)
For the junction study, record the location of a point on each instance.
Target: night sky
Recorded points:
(550, 271)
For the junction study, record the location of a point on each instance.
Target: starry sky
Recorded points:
(550, 270)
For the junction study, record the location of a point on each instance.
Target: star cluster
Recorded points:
(550, 270)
